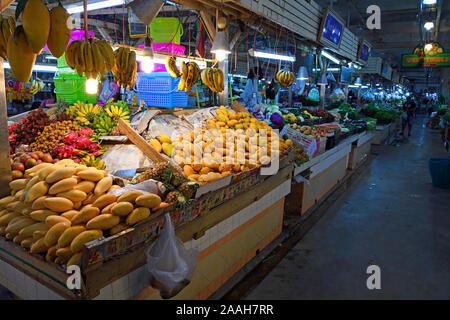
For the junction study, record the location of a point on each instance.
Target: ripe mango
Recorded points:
(36, 23)
(60, 27)
(20, 56)
(167, 149)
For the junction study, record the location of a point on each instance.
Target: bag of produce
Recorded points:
(170, 264)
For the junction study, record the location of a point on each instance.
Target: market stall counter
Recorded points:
(315, 178)
(229, 235)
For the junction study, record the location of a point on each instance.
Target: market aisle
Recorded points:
(391, 217)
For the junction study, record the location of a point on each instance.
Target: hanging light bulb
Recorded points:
(221, 47)
(147, 64)
(91, 86)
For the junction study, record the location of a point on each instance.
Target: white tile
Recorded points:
(119, 285)
(105, 293)
(31, 290)
(54, 296)
(42, 292)
(195, 243)
(187, 244)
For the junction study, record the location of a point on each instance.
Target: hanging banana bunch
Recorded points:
(214, 79)
(125, 67)
(7, 27)
(190, 73)
(285, 78)
(171, 67)
(90, 57)
(36, 86)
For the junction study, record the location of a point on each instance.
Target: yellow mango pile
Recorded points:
(57, 208)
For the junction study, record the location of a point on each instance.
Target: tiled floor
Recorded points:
(391, 217)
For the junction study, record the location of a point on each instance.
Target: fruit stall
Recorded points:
(96, 178)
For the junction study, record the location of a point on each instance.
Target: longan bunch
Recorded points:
(52, 134)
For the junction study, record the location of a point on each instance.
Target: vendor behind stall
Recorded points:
(249, 96)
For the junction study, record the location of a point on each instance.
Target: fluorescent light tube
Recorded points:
(273, 56)
(95, 6)
(331, 57)
(329, 69)
(428, 25)
(429, 2)
(36, 67)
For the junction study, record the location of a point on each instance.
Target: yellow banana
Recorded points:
(172, 67)
(221, 82)
(107, 53)
(99, 60)
(80, 61)
(184, 75)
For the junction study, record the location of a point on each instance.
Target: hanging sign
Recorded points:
(364, 51)
(332, 29)
(431, 56)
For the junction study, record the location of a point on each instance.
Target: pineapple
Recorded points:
(175, 196)
(188, 189)
(177, 179)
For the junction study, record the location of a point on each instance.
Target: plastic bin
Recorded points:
(71, 88)
(159, 89)
(165, 30)
(165, 47)
(440, 172)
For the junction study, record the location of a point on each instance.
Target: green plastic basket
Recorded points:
(61, 61)
(166, 30)
(71, 88)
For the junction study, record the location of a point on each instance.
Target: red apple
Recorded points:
(34, 156)
(40, 154)
(18, 166)
(24, 158)
(47, 158)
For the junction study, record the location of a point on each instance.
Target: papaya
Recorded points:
(36, 23)
(20, 56)
(60, 28)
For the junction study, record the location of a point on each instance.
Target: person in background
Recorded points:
(270, 92)
(249, 96)
(409, 107)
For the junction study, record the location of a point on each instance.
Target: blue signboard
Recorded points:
(332, 29)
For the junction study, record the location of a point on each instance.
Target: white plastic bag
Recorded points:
(170, 264)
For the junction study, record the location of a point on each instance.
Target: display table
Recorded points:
(382, 134)
(314, 179)
(360, 150)
(229, 235)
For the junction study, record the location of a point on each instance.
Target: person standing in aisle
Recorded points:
(249, 94)
(408, 119)
(271, 93)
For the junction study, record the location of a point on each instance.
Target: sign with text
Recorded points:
(432, 55)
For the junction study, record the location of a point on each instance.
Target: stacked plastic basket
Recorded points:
(159, 89)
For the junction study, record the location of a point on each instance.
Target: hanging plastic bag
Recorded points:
(170, 264)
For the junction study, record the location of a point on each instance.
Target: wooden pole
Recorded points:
(5, 165)
(85, 20)
(223, 96)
